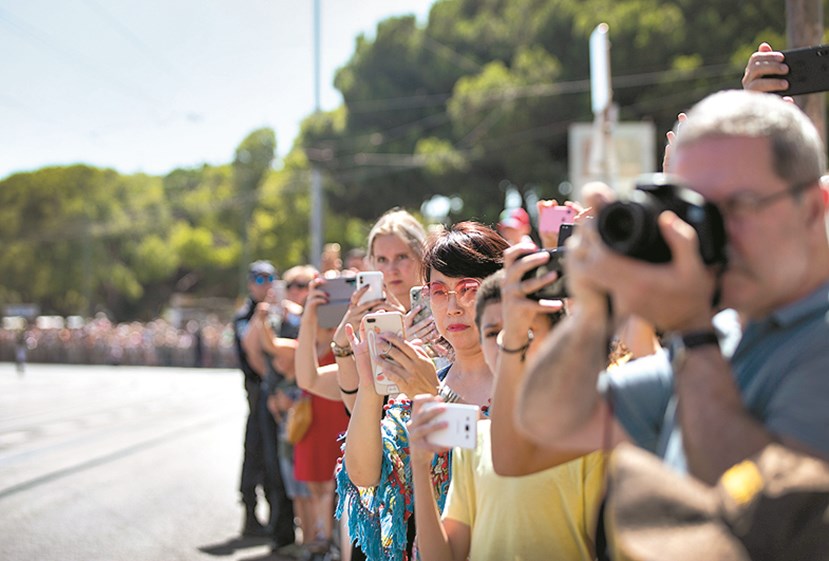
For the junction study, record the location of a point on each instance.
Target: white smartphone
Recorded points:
(375, 324)
(374, 279)
(462, 429)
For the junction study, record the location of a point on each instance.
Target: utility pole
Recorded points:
(602, 163)
(316, 176)
(804, 28)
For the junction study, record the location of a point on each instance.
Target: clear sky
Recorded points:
(151, 85)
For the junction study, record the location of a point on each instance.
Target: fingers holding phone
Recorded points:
(423, 422)
(420, 324)
(439, 426)
(766, 70)
(436, 427)
(408, 365)
(377, 327)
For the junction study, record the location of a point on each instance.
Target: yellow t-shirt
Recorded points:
(549, 516)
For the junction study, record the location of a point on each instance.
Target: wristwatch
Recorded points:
(681, 342)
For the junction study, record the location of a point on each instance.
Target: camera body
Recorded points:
(629, 226)
(557, 289)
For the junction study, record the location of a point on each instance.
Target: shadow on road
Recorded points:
(232, 545)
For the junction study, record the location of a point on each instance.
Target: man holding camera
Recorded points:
(715, 398)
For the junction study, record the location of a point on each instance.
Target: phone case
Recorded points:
(551, 218)
(416, 295)
(375, 324)
(375, 281)
(463, 425)
(564, 232)
(808, 70)
(339, 292)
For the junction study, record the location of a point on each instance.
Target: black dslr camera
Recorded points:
(629, 226)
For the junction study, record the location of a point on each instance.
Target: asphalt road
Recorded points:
(112, 463)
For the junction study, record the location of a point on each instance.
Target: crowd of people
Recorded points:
(711, 362)
(207, 343)
(647, 362)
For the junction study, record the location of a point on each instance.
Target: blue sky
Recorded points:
(151, 85)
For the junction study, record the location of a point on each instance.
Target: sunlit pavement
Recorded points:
(109, 463)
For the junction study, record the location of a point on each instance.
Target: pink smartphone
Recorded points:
(550, 218)
(375, 324)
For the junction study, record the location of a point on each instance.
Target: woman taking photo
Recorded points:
(374, 483)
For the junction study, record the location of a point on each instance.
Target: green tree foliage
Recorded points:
(486, 91)
(73, 238)
(79, 239)
(478, 98)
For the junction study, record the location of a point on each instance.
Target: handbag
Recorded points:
(298, 419)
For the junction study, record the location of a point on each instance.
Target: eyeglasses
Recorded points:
(300, 285)
(262, 279)
(465, 291)
(747, 203)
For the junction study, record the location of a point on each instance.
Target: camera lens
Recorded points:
(622, 226)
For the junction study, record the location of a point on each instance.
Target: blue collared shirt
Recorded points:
(780, 365)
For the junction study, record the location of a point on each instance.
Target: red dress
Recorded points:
(315, 456)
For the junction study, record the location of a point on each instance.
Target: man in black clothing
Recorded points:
(258, 467)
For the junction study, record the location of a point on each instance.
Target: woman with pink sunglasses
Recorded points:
(374, 482)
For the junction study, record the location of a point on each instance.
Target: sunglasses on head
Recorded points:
(464, 291)
(262, 279)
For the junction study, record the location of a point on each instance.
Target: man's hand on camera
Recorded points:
(674, 295)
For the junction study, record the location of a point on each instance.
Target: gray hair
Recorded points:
(797, 150)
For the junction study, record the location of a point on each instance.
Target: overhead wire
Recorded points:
(560, 88)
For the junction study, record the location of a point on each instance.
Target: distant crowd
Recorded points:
(208, 343)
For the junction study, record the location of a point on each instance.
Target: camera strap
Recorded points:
(717, 296)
